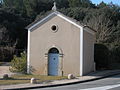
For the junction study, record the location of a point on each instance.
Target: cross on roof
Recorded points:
(54, 8)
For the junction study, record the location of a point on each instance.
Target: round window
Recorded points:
(54, 28)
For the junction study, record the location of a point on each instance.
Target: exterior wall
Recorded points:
(88, 52)
(66, 40)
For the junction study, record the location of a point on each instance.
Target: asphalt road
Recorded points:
(110, 83)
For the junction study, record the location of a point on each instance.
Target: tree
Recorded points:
(14, 25)
(103, 26)
(87, 3)
(0, 4)
(62, 3)
(102, 4)
(15, 15)
(19, 64)
(74, 3)
(77, 13)
(81, 3)
(3, 36)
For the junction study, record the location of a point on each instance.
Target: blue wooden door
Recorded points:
(53, 63)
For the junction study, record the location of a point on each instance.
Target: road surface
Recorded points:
(110, 83)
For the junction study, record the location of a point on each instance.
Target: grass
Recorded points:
(4, 63)
(1, 63)
(21, 79)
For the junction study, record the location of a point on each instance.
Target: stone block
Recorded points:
(70, 76)
(5, 76)
(33, 81)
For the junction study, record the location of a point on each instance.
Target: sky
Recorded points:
(106, 1)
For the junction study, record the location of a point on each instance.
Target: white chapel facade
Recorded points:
(58, 46)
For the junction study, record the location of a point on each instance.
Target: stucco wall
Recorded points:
(66, 38)
(88, 52)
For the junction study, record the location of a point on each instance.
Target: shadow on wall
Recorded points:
(31, 69)
(101, 56)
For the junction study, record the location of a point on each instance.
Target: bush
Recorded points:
(6, 54)
(115, 57)
(101, 56)
(19, 64)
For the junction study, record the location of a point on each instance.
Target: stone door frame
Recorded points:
(60, 67)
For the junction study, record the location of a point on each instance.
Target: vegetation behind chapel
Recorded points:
(15, 15)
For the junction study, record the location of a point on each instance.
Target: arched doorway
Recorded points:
(53, 61)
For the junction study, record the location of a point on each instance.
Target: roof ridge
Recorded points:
(50, 13)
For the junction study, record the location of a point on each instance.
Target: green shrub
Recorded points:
(114, 57)
(19, 64)
(101, 56)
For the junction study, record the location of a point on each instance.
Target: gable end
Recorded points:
(56, 13)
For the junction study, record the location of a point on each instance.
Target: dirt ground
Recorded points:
(4, 69)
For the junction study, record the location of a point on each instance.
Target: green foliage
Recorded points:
(21, 79)
(19, 64)
(12, 27)
(104, 20)
(77, 13)
(29, 8)
(102, 5)
(15, 15)
(74, 3)
(6, 54)
(115, 54)
(62, 4)
(81, 3)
